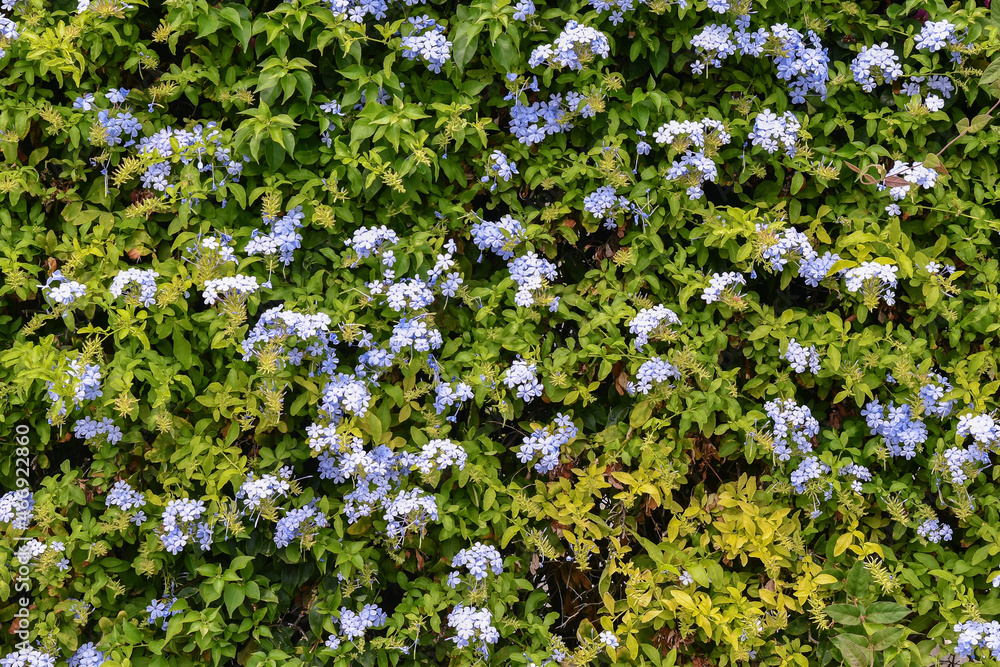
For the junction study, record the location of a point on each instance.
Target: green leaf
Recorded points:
(233, 597)
(979, 122)
(641, 414)
(990, 78)
(886, 613)
(886, 637)
(858, 580)
(845, 614)
(464, 43)
(853, 653)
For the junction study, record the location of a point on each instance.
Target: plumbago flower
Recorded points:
(575, 46)
(548, 442)
(792, 427)
(17, 508)
(653, 372)
(800, 357)
(353, 625)
(904, 175)
(66, 292)
(531, 123)
(874, 65)
(136, 285)
(720, 284)
(80, 382)
(873, 281)
(936, 35)
(499, 166)
(501, 237)
(772, 132)
(800, 59)
(694, 166)
(427, 42)
(234, 289)
(652, 322)
(283, 240)
(532, 275)
(479, 559)
(521, 375)
(473, 625)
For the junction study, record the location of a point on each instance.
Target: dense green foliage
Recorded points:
(670, 520)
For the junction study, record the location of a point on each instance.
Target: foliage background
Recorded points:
(654, 486)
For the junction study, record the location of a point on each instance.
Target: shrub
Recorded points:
(653, 333)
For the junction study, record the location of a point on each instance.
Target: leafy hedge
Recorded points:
(637, 332)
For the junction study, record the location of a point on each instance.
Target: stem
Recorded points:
(966, 131)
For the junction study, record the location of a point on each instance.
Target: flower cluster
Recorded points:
(479, 559)
(158, 609)
(792, 425)
(873, 281)
(575, 46)
(136, 284)
(439, 454)
(695, 166)
(772, 132)
(82, 381)
(523, 9)
(122, 495)
(9, 33)
(473, 625)
(936, 35)
(409, 510)
(934, 531)
(277, 325)
(367, 240)
(255, 491)
(898, 427)
(415, 334)
(88, 428)
(283, 240)
(719, 283)
(28, 657)
(809, 468)
(447, 395)
(913, 174)
(531, 123)
(548, 442)
(799, 357)
(499, 166)
(297, 522)
(86, 656)
(532, 275)
(604, 203)
(799, 59)
(521, 375)
(978, 634)
(858, 472)
(29, 550)
(653, 321)
(231, 289)
(353, 625)
(17, 508)
(210, 252)
(180, 524)
(66, 292)
(655, 371)
(427, 41)
(931, 395)
(790, 244)
(202, 146)
(875, 64)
